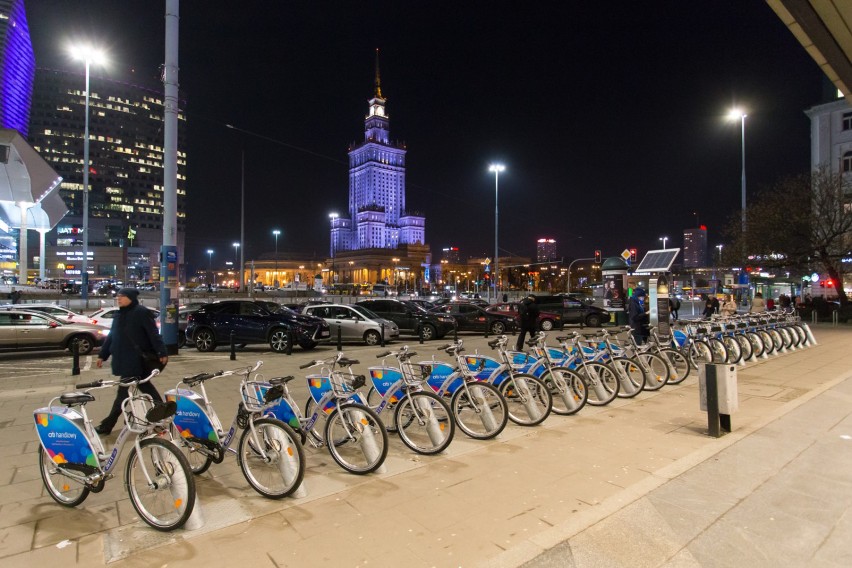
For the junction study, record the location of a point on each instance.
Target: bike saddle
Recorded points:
(75, 398)
(562, 338)
(161, 411)
(281, 380)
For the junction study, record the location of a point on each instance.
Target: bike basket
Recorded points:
(141, 412)
(254, 395)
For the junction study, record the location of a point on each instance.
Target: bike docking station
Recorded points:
(717, 391)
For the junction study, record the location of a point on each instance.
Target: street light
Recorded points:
(395, 272)
(89, 55)
(210, 264)
(720, 252)
(664, 239)
(240, 270)
(496, 168)
(738, 114)
(276, 232)
(333, 217)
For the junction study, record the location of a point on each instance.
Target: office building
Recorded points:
(546, 250)
(125, 173)
(695, 247)
(17, 67)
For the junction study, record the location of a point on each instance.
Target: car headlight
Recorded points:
(103, 332)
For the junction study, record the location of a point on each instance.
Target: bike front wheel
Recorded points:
(166, 502)
(528, 400)
(425, 422)
(479, 410)
(602, 382)
(679, 366)
(567, 389)
(356, 438)
(657, 371)
(65, 490)
(735, 352)
(631, 375)
(271, 457)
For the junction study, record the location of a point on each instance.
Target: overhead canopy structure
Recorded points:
(824, 28)
(29, 194)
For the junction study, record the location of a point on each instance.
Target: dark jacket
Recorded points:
(636, 316)
(528, 310)
(134, 324)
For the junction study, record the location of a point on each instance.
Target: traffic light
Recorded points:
(632, 255)
(597, 257)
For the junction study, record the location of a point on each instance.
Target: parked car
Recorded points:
(475, 301)
(578, 297)
(425, 304)
(29, 330)
(573, 310)
(470, 317)
(58, 312)
(183, 319)
(410, 318)
(356, 323)
(546, 320)
(253, 322)
(105, 316)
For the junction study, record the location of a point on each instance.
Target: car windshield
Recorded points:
(277, 308)
(365, 312)
(414, 306)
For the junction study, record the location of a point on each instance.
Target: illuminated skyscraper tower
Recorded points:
(17, 67)
(378, 218)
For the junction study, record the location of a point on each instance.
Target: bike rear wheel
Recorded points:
(167, 502)
(679, 366)
(479, 410)
(528, 400)
(602, 383)
(356, 438)
(657, 372)
(65, 490)
(271, 458)
(568, 390)
(426, 424)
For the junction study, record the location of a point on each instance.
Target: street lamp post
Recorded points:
(333, 217)
(275, 233)
(738, 114)
(236, 261)
(664, 239)
(89, 55)
(210, 266)
(496, 168)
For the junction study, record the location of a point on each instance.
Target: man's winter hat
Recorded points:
(639, 292)
(131, 293)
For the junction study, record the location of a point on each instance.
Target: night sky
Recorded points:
(609, 116)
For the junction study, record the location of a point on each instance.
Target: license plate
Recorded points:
(325, 333)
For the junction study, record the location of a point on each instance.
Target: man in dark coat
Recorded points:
(528, 310)
(636, 316)
(133, 333)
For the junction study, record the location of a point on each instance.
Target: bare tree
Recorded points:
(798, 224)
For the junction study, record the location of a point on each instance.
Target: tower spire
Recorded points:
(378, 77)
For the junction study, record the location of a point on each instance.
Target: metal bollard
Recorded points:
(289, 349)
(339, 339)
(486, 328)
(420, 333)
(455, 331)
(233, 347)
(382, 343)
(75, 357)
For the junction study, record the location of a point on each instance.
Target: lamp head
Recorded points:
(496, 168)
(84, 52)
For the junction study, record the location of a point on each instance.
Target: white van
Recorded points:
(383, 290)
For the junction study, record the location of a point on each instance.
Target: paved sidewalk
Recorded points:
(636, 483)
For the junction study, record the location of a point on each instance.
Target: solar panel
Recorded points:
(658, 260)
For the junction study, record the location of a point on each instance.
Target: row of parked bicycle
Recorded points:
(423, 402)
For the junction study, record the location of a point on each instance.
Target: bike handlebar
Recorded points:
(92, 385)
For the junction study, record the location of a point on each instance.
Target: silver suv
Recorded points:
(356, 323)
(31, 330)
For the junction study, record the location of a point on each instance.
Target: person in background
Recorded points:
(757, 304)
(709, 310)
(132, 333)
(770, 304)
(729, 306)
(674, 306)
(528, 311)
(637, 316)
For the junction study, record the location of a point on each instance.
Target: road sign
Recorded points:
(625, 254)
(487, 261)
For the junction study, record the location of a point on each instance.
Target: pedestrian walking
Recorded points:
(637, 317)
(757, 304)
(135, 347)
(674, 306)
(528, 311)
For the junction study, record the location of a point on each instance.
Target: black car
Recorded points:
(253, 322)
(411, 318)
(470, 317)
(573, 310)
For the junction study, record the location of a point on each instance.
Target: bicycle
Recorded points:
(478, 408)
(269, 453)
(73, 461)
(679, 366)
(354, 434)
(420, 417)
(602, 381)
